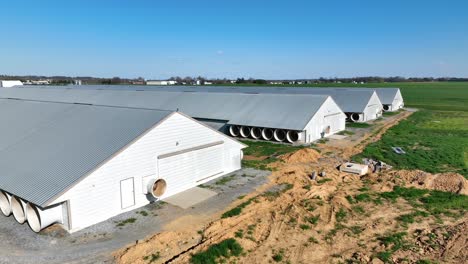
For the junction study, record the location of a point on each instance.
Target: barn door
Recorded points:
(127, 193)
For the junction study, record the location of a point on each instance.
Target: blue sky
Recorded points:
(260, 39)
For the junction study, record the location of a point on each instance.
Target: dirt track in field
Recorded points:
(300, 224)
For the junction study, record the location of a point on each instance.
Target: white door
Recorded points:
(127, 193)
(186, 170)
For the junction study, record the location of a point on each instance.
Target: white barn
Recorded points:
(293, 118)
(359, 105)
(77, 165)
(391, 98)
(7, 84)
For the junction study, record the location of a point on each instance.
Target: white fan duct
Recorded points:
(234, 130)
(39, 219)
(18, 207)
(256, 132)
(294, 136)
(267, 134)
(5, 203)
(355, 117)
(279, 135)
(245, 131)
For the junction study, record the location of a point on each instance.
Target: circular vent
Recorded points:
(158, 188)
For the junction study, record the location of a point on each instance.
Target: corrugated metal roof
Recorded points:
(289, 111)
(353, 100)
(47, 147)
(387, 95)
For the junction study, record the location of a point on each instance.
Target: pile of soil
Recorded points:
(447, 182)
(301, 156)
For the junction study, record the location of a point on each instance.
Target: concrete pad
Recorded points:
(190, 197)
(337, 137)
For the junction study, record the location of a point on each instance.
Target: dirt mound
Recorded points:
(447, 182)
(301, 156)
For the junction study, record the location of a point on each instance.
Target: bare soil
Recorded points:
(305, 223)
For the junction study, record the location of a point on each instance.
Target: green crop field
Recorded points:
(434, 141)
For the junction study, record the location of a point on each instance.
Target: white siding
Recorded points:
(329, 114)
(97, 197)
(397, 102)
(373, 109)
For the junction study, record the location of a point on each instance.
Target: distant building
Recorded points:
(10, 83)
(77, 82)
(156, 82)
(38, 82)
(208, 83)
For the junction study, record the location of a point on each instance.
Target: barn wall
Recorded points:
(329, 114)
(397, 102)
(373, 109)
(98, 198)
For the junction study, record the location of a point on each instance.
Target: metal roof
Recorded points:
(387, 95)
(352, 100)
(47, 147)
(288, 111)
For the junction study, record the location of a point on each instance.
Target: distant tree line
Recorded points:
(64, 80)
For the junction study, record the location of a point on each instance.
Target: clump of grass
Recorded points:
(434, 202)
(153, 257)
(313, 240)
(358, 125)
(143, 213)
(358, 209)
(278, 256)
(340, 215)
(362, 197)
(356, 229)
(350, 199)
(392, 243)
(239, 233)
(346, 133)
(126, 221)
(225, 249)
(225, 180)
(410, 218)
(236, 210)
(304, 227)
(313, 219)
(324, 180)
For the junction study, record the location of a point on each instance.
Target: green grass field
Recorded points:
(434, 141)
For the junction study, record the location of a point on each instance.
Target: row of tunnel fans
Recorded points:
(23, 211)
(270, 134)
